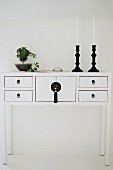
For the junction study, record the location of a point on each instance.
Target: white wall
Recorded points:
(52, 129)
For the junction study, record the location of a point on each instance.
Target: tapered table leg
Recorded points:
(102, 140)
(3, 134)
(8, 130)
(107, 137)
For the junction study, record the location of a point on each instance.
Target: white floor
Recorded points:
(56, 162)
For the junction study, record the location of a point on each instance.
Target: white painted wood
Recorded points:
(53, 74)
(34, 92)
(107, 138)
(93, 96)
(3, 134)
(68, 86)
(18, 96)
(43, 103)
(77, 90)
(18, 82)
(102, 137)
(43, 89)
(93, 82)
(108, 125)
(44, 92)
(9, 129)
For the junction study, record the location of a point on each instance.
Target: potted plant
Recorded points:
(35, 67)
(23, 53)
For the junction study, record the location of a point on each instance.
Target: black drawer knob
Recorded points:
(18, 81)
(18, 95)
(93, 82)
(93, 95)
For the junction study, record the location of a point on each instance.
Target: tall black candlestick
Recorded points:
(77, 55)
(93, 69)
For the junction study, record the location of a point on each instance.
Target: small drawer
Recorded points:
(93, 82)
(93, 96)
(18, 82)
(18, 96)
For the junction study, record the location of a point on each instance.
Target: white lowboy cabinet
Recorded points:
(77, 89)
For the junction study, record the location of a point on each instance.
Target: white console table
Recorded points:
(77, 89)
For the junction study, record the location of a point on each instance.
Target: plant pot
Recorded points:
(23, 67)
(23, 59)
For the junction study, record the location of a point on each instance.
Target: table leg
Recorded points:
(102, 140)
(3, 134)
(9, 135)
(107, 137)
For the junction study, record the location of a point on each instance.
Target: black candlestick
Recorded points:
(93, 69)
(77, 55)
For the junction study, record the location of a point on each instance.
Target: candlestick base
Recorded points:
(93, 69)
(77, 69)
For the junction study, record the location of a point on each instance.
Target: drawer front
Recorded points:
(44, 92)
(18, 82)
(43, 89)
(93, 96)
(18, 96)
(68, 86)
(93, 82)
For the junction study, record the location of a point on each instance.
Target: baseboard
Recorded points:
(28, 149)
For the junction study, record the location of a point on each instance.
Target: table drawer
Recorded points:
(18, 96)
(18, 82)
(93, 96)
(93, 82)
